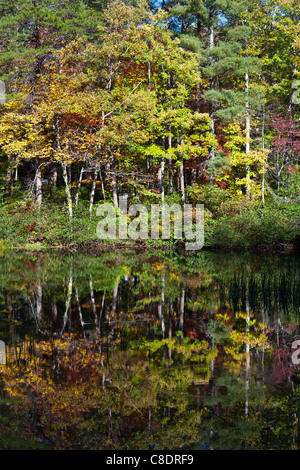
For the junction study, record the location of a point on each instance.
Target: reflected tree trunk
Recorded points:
(212, 363)
(79, 311)
(263, 349)
(161, 306)
(115, 297)
(102, 308)
(93, 302)
(149, 421)
(68, 301)
(247, 378)
(38, 297)
(170, 323)
(53, 309)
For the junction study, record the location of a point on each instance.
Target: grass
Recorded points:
(22, 226)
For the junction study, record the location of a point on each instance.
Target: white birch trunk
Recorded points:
(181, 181)
(247, 115)
(79, 186)
(68, 301)
(211, 112)
(170, 162)
(162, 180)
(263, 148)
(38, 186)
(93, 190)
(68, 192)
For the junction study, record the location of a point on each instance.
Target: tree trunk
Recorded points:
(181, 309)
(247, 115)
(93, 190)
(102, 308)
(263, 148)
(8, 182)
(38, 186)
(211, 113)
(115, 191)
(193, 176)
(68, 192)
(65, 175)
(115, 297)
(38, 297)
(149, 76)
(79, 311)
(161, 306)
(79, 186)
(170, 162)
(9, 305)
(93, 302)
(170, 176)
(111, 168)
(162, 179)
(181, 181)
(170, 324)
(68, 301)
(102, 183)
(52, 174)
(212, 149)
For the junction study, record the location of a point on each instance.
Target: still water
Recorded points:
(151, 350)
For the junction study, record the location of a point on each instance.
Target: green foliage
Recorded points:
(118, 90)
(253, 227)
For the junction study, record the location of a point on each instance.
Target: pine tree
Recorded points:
(31, 30)
(218, 30)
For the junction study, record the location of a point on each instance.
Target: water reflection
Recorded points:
(127, 351)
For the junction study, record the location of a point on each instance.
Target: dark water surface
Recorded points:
(150, 350)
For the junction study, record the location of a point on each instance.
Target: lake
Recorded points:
(129, 350)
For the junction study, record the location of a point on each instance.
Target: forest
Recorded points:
(172, 102)
(138, 343)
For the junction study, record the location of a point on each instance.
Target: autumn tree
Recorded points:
(30, 32)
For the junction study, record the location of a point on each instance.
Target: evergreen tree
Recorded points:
(218, 30)
(31, 30)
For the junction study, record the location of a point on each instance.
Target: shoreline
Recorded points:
(99, 247)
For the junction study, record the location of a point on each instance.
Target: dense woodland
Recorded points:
(175, 102)
(166, 102)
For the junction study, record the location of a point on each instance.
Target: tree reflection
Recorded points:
(107, 353)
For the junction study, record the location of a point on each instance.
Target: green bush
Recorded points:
(253, 226)
(232, 224)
